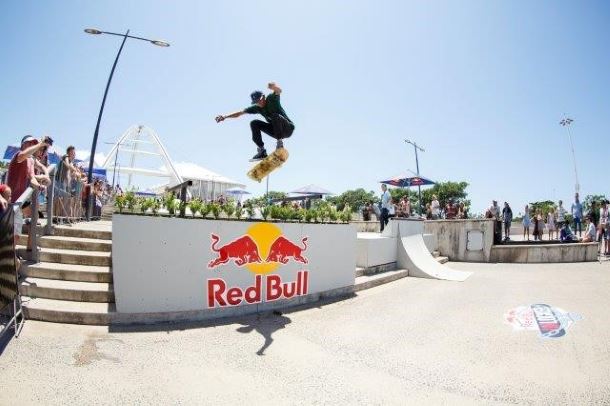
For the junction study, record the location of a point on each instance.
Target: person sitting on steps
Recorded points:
(278, 125)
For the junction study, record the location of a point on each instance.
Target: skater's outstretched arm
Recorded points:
(275, 88)
(232, 115)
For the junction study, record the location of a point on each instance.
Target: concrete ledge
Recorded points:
(545, 253)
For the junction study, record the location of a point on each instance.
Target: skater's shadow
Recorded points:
(265, 325)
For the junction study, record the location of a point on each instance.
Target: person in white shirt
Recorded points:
(386, 202)
(591, 232)
(561, 214)
(436, 208)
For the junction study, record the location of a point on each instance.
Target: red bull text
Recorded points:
(262, 240)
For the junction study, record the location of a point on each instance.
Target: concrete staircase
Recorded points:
(72, 283)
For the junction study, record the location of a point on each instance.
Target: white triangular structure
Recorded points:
(143, 141)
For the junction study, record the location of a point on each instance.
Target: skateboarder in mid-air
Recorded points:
(278, 125)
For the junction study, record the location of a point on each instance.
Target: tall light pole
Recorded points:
(566, 122)
(417, 147)
(94, 31)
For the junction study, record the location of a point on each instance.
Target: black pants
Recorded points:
(384, 218)
(279, 128)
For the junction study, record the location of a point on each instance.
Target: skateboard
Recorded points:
(268, 165)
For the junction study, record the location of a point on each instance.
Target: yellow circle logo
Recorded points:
(264, 234)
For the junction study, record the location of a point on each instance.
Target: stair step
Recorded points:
(68, 272)
(442, 260)
(63, 311)
(85, 230)
(359, 271)
(67, 290)
(63, 256)
(70, 243)
(367, 282)
(436, 254)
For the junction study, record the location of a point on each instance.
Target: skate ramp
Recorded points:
(414, 256)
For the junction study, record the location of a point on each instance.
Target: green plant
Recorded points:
(168, 203)
(250, 210)
(130, 199)
(332, 214)
(195, 206)
(155, 205)
(310, 215)
(120, 202)
(346, 214)
(239, 212)
(182, 207)
(266, 212)
(229, 209)
(145, 204)
(215, 209)
(205, 209)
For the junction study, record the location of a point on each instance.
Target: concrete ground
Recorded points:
(414, 341)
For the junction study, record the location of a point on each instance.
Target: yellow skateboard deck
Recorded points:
(268, 165)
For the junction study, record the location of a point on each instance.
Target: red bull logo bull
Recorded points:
(262, 240)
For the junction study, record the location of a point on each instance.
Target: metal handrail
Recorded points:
(31, 194)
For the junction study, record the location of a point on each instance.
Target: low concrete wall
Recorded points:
(452, 237)
(545, 253)
(219, 267)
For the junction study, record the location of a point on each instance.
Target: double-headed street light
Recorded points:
(94, 31)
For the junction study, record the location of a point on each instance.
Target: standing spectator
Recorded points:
(386, 201)
(428, 211)
(550, 223)
(526, 222)
(392, 209)
(507, 219)
(462, 211)
(450, 211)
(561, 214)
(594, 213)
(577, 215)
(66, 170)
(436, 208)
(21, 168)
(407, 207)
(495, 213)
(385, 206)
(538, 225)
(21, 173)
(603, 220)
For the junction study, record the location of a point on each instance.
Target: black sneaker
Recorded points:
(261, 154)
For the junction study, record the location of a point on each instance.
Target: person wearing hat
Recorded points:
(21, 168)
(277, 123)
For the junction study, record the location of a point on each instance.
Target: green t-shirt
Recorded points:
(272, 106)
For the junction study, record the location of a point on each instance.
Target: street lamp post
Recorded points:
(94, 31)
(566, 122)
(417, 147)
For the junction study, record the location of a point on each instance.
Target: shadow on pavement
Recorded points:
(265, 325)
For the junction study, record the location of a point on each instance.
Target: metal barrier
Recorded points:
(9, 291)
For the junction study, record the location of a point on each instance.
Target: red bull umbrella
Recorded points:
(407, 181)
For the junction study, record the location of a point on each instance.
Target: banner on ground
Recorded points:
(8, 271)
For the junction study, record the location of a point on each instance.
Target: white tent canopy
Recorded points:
(207, 185)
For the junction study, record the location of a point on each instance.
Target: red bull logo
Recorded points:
(262, 240)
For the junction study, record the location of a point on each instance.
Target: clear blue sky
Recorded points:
(481, 85)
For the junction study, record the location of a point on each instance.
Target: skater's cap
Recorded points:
(256, 96)
(28, 138)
